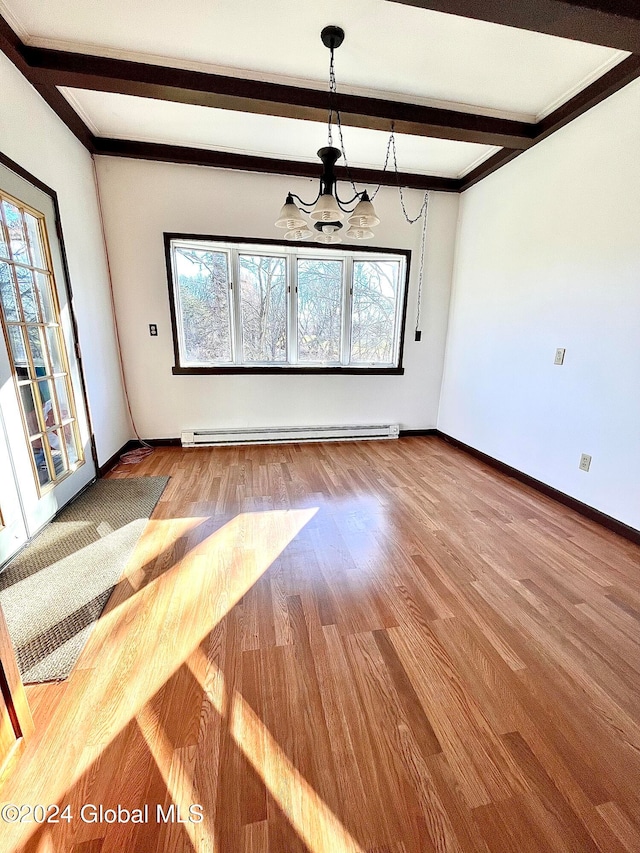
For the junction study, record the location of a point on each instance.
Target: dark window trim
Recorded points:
(180, 370)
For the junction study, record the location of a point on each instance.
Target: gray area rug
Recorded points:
(54, 591)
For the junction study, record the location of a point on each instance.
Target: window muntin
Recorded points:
(290, 307)
(31, 322)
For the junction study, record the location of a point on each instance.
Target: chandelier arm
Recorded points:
(345, 209)
(306, 203)
(343, 202)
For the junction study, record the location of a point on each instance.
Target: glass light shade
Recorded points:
(359, 233)
(364, 215)
(298, 234)
(290, 216)
(329, 238)
(326, 209)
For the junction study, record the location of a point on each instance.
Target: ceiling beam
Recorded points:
(103, 74)
(270, 165)
(14, 49)
(614, 80)
(45, 69)
(612, 23)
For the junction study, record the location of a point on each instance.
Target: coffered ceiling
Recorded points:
(246, 82)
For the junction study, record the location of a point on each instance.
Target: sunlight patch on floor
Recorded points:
(144, 641)
(307, 812)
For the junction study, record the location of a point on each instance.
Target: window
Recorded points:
(31, 323)
(269, 307)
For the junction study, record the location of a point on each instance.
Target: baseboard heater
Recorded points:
(287, 435)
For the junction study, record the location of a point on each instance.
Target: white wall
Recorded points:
(35, 138)
(548, 256)
(142, 200)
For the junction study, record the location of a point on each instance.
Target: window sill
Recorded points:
(236, 370)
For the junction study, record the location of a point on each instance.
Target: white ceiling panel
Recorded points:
(144, 119)
(389, 48)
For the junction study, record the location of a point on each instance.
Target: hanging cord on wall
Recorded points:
(138, 453)
(423, 245)
(391, 150)
(423, 212)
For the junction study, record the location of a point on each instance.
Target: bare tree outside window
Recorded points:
(375, 288)
(319, 310)
(263, 299)
(203, 283)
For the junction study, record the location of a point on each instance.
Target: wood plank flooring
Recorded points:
(382, 647)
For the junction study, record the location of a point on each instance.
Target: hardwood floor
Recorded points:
(378, 646)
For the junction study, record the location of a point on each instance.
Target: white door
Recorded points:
(13, 532)
(42, 410)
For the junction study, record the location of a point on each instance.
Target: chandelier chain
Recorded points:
(391, 150)
(332, 95)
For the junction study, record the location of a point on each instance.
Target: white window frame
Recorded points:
(291, 253)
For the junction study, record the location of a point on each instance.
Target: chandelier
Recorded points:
(327, 211)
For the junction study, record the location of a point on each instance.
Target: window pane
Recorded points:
(203, 288)
(43, 282)
(27, 291)
(63, 399)
(263, 293)
(37, 350)
(54, 349)
(17, 240)
(4, 246)
(8, 293)
(18, 351)
(35, 241)
(319, 310)
(29, 408)
(55, 439)
(40, 460)
(44, 390)
(375, 288)
(70, 443)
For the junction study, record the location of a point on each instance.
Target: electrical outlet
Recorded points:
(418, 335)
(153, 330)
(585, 462)
(559, 359)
